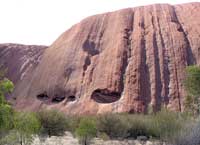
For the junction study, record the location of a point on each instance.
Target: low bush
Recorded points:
(25, 126)
(53, 122)
(6, 117)
(166, 124)
(189, 135)
(138, 126)
(162, 125)
(86, 130)
(73, 123)
(114, 125)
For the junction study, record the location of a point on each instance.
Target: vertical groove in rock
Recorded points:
(188, 50)
(152, 60)
(189, 55)
(126, 61)
(144, 86)
(165, 70)
(177, 82)
(182, 55)
(126, 39)
(158, 84)
(127, 52)
(175, 94)
(92, 45)
(189, 18)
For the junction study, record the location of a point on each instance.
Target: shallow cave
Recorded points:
(71, 98)
(57, 99)
(43, 96)
(105, 96)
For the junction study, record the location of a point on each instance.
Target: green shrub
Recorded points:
(6, 86)
(86, 130)
(189, 135)
(26, 124)
(165, 124)
(6, 117)
(53, 122)
(162, 125)
(73, 123)
(114, 125)
(138, 126)
(6, 111)
(192, 85)
(192, 81)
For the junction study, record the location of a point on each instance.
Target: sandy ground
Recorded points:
(68, 139)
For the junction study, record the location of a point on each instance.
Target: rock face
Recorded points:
(122, 61)
(19, 60)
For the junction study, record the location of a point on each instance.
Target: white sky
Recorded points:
(42, 21)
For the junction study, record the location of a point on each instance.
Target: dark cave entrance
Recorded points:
(43, 96)
(57, 99)
(71, 98)
(105, 96)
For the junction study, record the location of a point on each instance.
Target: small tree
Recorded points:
(6, 114)
(6, 86)
(53, 122)
(192, 85)
(189, 105)
(6, 111)
(86, 130)
(26, 124)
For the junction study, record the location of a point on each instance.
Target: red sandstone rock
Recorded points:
(20, 60)
(121, 61)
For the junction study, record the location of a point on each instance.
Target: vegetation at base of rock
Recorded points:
(162, 125)
(6, 117)
(15, 127)
(26, 125)
(86, 130)
(192, 85)
(53, 122)
(6, 112)
(114, 125)
(189, 135)
(192, 81)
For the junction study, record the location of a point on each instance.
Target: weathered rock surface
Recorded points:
(20, 60)
(121, 61)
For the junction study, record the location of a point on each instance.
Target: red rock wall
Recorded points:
(122, 61)
(19, 59)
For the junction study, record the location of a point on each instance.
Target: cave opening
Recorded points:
(43, 96)
(105, 96)
(57, 99)
(71, 98)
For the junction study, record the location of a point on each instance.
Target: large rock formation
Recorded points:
(122, 61)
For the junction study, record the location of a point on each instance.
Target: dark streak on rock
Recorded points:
(166, 73)
(144, 69)
(190, 57)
